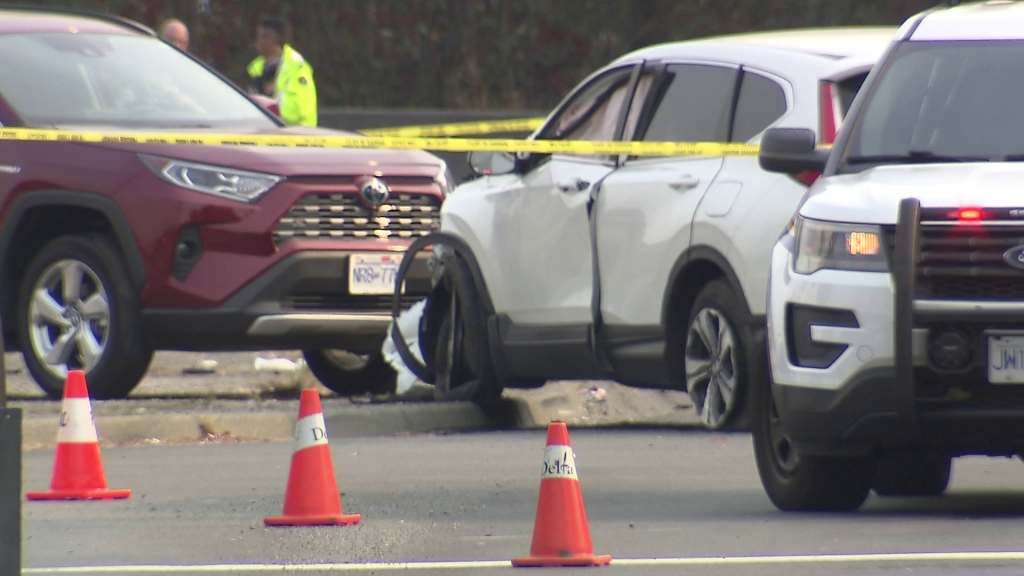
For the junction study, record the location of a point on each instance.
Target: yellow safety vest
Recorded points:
(294, 91)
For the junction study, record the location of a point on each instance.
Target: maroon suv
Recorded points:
(111, 251)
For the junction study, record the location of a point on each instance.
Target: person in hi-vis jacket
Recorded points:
(281, 73)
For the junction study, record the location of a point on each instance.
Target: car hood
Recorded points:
(280, 160)
(873, 196)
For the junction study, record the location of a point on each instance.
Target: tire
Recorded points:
(463, 368)
(715, 358)
(349, 374)
(803, 482)
(912, 474)
(98, 330)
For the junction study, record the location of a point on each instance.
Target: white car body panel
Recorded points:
(539, 260)
(643, 223)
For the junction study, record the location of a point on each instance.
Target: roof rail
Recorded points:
(112, 18)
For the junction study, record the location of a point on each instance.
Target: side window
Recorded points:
(761, 102)
(593, 112)
(694, 104)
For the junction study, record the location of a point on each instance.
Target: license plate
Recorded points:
(373, 273)
(1006, 359)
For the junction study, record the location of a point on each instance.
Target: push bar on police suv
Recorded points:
(904, 268)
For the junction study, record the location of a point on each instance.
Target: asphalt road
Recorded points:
(658, 501)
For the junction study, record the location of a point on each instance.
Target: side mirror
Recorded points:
(487, 163)
(791, 151)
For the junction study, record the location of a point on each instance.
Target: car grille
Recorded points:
(343, 216)
(965, 262)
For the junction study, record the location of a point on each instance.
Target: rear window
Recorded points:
(847, 90)
(958, 99)
(61, 78)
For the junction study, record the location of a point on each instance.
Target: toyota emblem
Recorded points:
(375, 193)
(1015, 256)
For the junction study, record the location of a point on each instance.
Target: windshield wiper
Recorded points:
(915, 157)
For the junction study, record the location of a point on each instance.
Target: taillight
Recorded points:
(829, 127)
(807, 178)
(829, 114)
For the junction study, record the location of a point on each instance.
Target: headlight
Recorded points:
(445, 179)
(838, 247)
(220, 181)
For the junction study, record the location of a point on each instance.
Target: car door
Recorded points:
(643, 211)
(541, 229)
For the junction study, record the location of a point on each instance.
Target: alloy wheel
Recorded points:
(69, 317)
(711, 358)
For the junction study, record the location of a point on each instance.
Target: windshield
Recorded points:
(138, 81)
(943, 101)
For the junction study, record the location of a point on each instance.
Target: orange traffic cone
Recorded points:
(77, 468)
(561, 536)
(312, 497)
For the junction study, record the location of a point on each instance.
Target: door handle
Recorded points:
(577, 185)
(686, 182)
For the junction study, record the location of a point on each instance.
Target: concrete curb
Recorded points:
(39, 430)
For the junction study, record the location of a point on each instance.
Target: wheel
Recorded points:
(349, 374)
(802, 482)
(911, 474)
(714, 357)
(77, 310)
(463, 369)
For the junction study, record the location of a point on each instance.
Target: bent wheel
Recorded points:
(349, 374)
(462, 358)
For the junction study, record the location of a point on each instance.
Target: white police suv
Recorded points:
(895, 318)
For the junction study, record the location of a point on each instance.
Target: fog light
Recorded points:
(951, 348)
(185, 250)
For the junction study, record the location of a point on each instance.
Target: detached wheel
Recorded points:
(463, 369)
(802, 482)
(349, 374)
(915, 474)
(714, 356)
(77, 310)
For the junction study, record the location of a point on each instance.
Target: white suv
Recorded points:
(895, 315)
(650, 271)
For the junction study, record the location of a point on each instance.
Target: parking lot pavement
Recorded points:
(186, 398)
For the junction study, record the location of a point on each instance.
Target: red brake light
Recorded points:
(829, 128)
(969, 214)
(808, 177)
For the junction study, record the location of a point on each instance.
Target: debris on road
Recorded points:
(204, 366)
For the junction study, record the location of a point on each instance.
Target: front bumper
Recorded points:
(884, 388)
(303, 302)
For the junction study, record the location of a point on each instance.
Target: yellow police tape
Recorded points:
(459, 128)
(584, 147)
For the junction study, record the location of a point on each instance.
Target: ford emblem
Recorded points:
(375, 193)
(1015, 257)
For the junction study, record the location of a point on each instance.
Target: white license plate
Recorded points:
(373, 273)
(1006, 359)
